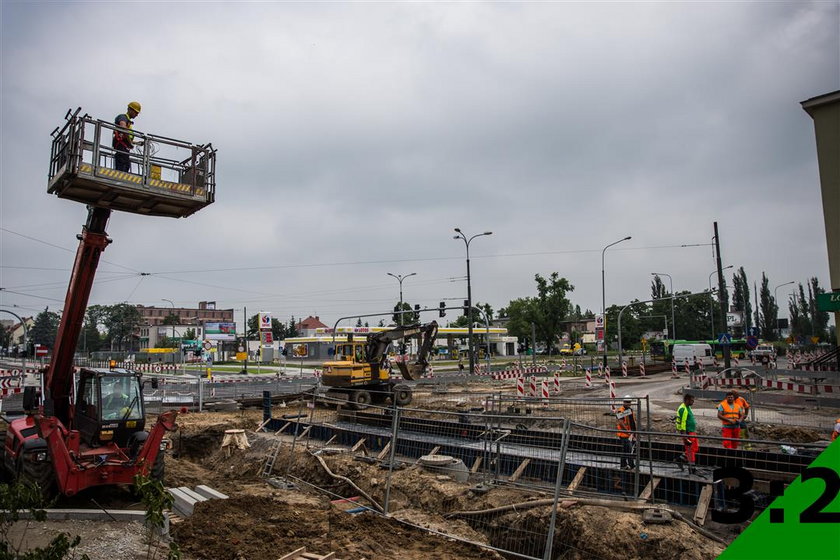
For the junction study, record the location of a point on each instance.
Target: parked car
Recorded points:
(763, 350)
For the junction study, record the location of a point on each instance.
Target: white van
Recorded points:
(703, 353)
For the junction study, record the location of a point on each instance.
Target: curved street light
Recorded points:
(469, 296)
(604, 294)
(400, 278)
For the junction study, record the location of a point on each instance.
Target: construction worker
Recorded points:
(744, 434)
(731, 414)
(836, 433)
(626, 432)
(687, 426)
(123, 140)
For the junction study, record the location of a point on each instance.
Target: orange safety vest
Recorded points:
(744, 404)
(623, 425)
(731, 413)
(834, 433)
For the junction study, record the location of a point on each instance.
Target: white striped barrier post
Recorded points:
(715, 362)
(735, 362)
(520, 387)
(642, 369)
(612, 393)
(600, 370)
(687, 367)
(544, 390)
(557, 382)
(533, 386)
(607, 375)
(674, 373)
(623, 369)
(588, 379)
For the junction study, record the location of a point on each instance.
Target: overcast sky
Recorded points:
(353, 137)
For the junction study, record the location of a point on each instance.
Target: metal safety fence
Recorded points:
(505, 461)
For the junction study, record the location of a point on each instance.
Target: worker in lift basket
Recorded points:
(123, 140)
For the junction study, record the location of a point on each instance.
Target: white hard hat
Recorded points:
(628, 397)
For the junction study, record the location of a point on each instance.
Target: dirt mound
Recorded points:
(597, 532)
(792, 434)
(254, 528)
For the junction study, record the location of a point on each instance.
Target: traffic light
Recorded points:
(416, 307)
(442, 309)
(466, 307)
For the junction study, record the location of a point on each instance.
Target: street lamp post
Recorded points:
(400, 279)
(671, 284)
(712, 306)
(173, 313)
(776, 301)
(604, 294)
(469, 295)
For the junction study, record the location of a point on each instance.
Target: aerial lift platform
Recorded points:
(92, 432)
(168, 177)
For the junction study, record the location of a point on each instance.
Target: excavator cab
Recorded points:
(109, 406)
(167, 177)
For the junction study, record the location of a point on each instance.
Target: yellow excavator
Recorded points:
(360, 372)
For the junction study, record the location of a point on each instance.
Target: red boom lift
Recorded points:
(91, 432)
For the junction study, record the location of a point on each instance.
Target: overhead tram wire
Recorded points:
(424, 259)
(29, 237)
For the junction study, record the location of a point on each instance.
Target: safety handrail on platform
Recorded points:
(165, 176)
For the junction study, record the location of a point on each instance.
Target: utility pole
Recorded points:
(727, 357)
(533, 344)
(245, 313)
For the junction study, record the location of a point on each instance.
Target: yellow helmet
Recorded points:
(134, 105)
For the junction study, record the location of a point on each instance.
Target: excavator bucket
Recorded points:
(411, 372)
(165, 177)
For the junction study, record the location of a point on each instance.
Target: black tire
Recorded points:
(379, 397)
(402, 395)
(360, 399)
(40, 474)
(159, 466)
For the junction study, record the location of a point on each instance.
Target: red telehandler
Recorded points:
(91, 432)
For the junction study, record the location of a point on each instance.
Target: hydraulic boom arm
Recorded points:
(59, 377)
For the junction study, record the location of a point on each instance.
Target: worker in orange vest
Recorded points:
(626, 432)
(730, 413)
(836, 433)
(745, 433)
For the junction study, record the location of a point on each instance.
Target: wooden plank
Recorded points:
(703, 505)
(384, 452)
(357, 445)
(475, 466)
(294, 554)
(281, 430)
(305, 431)
(261, 426)
(519, 470)
(577, 479)
(434, 450)
(329, 441)
(650, 488)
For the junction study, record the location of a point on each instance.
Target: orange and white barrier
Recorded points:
(642, 369)
(674, 373)
(623, 369)
(557, 382)
(533, 386)
(544, 391)
(588, 379)
(520, 387)
(607, 375)
(600, 370)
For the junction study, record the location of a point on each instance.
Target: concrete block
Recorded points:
(209, 493)
(184, 503)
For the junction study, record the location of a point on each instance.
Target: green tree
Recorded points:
(546, 311)
(405, 318)
(741, 296)
(45, 328)
(819, 319)
(768, 311)
(189, 334)
(292, 330)
(474, 315)
(121, 321)
(359, 322)
(171, 319)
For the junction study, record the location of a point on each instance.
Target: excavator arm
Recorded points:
(377, 344)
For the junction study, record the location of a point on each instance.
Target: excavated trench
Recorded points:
(259, 520)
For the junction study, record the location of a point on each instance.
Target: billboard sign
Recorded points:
(734, 319)
(220, 331)
(829, 301)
